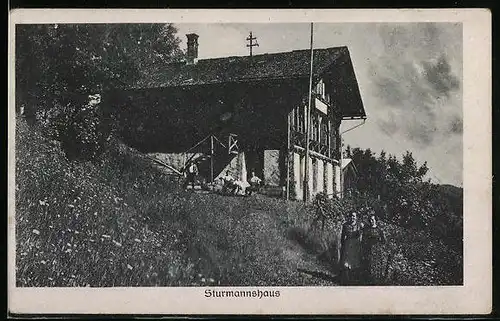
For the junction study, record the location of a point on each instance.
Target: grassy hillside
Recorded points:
(119, 221)
(82, 224)
(454, 196)
(452, 191)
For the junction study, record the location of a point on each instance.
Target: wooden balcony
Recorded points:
(299, 139)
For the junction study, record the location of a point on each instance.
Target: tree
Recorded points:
(59, 66)
(399, 184)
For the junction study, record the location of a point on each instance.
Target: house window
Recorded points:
(324, 133)
(335, 139)
(314, 128)
(320, 90)
(299, 119)
(318, 129)
(294, 121)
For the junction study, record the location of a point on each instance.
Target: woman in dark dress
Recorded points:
(350, 255)
(373, 235)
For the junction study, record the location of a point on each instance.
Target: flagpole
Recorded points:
(308, 126)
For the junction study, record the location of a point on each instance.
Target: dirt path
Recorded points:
(288, 255)
(257, 245)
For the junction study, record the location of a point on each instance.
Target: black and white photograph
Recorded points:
(238, 158)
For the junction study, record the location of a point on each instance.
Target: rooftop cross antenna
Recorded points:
(250, 39)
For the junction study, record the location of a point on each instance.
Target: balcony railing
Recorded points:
(299, 139)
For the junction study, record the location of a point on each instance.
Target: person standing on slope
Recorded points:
(192, 171)
(350, 253)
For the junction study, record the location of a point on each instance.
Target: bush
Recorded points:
(412, 255)
(77, 122)
(83, 133)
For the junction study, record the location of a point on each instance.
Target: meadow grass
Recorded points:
(119, 221)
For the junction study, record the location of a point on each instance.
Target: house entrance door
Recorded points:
(255, 162)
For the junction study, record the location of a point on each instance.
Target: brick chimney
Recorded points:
(192, 48)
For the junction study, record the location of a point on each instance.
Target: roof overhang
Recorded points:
(354, 118)
(342, 78)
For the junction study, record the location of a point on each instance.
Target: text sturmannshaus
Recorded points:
(213, 293)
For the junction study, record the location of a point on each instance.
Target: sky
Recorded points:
(409, 76)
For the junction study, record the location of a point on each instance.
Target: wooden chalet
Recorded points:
(246, 113)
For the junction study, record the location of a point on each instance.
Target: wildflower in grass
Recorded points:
(35, 231)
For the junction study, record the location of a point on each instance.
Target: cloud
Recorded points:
(413, 78)
(456, 125)
(440, 77)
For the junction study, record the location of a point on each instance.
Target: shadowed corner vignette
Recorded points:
(220, 155)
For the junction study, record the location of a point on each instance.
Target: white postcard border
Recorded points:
(473, 297)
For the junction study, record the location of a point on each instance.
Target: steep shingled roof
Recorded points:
(284, 65)
(293, 64)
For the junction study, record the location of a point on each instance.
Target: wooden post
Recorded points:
(319, 129)
(329, 134)
(308, 126)
(341, 156)
(211, 158)
(288, 157)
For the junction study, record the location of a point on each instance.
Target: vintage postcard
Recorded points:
(250, 161)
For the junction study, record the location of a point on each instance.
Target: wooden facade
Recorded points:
(255, 106)
(324, 143)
